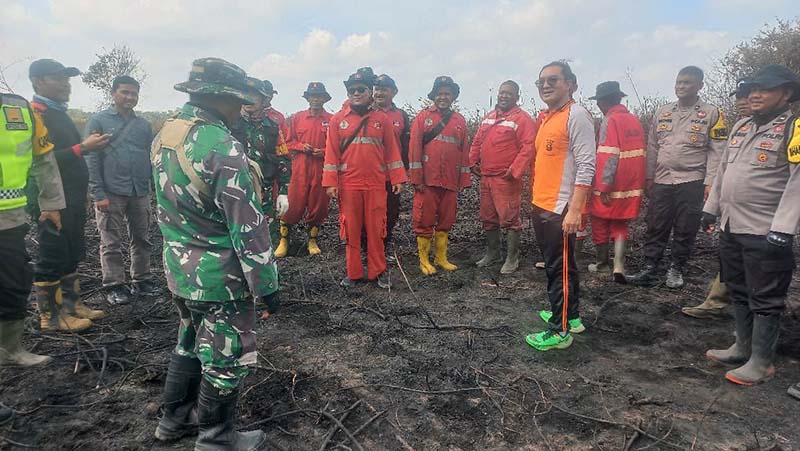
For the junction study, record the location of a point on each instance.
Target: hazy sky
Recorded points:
(292, 42)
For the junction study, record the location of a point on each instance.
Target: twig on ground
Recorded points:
(430, 392)
(632, 440)
(332, 431)
(705, 413)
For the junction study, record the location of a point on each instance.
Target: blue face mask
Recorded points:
(50, 103)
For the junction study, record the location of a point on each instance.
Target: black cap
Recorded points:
(607, 88)
(269, 88)
(441, 81)
(386, 81)
(316, 88)
(360, 77)
(773, 76)
(43, 67)
(742, 90)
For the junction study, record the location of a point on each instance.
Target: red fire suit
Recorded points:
(505, 140)
(442, 167)
(306, 194)
(360, 173)
(620, 173)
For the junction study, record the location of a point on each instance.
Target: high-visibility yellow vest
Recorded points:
(16, 150)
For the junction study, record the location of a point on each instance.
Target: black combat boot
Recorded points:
(765, 341)
(180, 398)
(217, 418)
(647, 277)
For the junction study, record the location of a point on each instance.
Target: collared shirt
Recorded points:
(684, 145)
(505, 139)
(372, 158)
(565, 156)
(756, 190)
(444, 161)
(123, 167)
(306, 128)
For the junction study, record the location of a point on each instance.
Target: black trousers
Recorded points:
(392, 211)
(60, 253)
(757, 273)
(676, 209)
(16, 274)
(558, 255)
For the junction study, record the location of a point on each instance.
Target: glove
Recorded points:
(707, 220)
(282, 205)
(272, 301)
(779, 239)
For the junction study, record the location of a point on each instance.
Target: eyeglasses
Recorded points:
(549, 81)
(358, 90)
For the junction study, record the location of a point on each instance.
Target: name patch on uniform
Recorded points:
(343, 125)
(14, 119)
(765, 145)
(793, 149)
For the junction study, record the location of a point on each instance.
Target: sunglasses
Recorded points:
(358, 90)
(549, 81)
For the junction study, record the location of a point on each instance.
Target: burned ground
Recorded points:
(436, 363)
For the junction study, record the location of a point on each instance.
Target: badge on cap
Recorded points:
(701, 114)
(343, 125)
(762, 157)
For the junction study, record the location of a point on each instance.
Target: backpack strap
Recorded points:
(173, 136)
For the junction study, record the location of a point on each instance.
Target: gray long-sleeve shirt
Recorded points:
(684, 145)
(123, 168)
(757, 184)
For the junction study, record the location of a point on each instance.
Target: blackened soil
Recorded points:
(436, 363)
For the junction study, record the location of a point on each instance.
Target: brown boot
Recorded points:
(51, 316)
(71, 299)
(714, 306)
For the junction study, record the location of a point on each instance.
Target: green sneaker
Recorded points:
(549, 339)
(575, 325)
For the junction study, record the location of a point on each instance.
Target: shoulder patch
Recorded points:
(793, 149)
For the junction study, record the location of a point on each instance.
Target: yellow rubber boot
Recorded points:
(313, 249)
(440, 253)
(71, 298)
(283, 246)
(424, 248)
(51, 315)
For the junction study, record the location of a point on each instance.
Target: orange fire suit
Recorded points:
(505, 140)
(360, 173)
(441, 167)
(306, 194)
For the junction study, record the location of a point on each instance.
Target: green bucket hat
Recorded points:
(218, 77)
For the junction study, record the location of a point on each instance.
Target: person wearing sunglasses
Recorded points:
(500, 153)
(439, 167)
(563, 171)
(362, 152)
(684, 145)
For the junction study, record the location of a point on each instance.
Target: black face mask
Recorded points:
(765, 118)
(360, 109)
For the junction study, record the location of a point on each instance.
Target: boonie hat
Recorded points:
(218, 77)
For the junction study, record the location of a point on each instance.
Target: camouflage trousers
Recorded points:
(269, 211)
(221, 335)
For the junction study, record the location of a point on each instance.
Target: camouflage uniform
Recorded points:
(266, 145)
(217, 251)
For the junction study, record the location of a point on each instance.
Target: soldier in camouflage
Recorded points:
(218, 257)
(265, 144)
